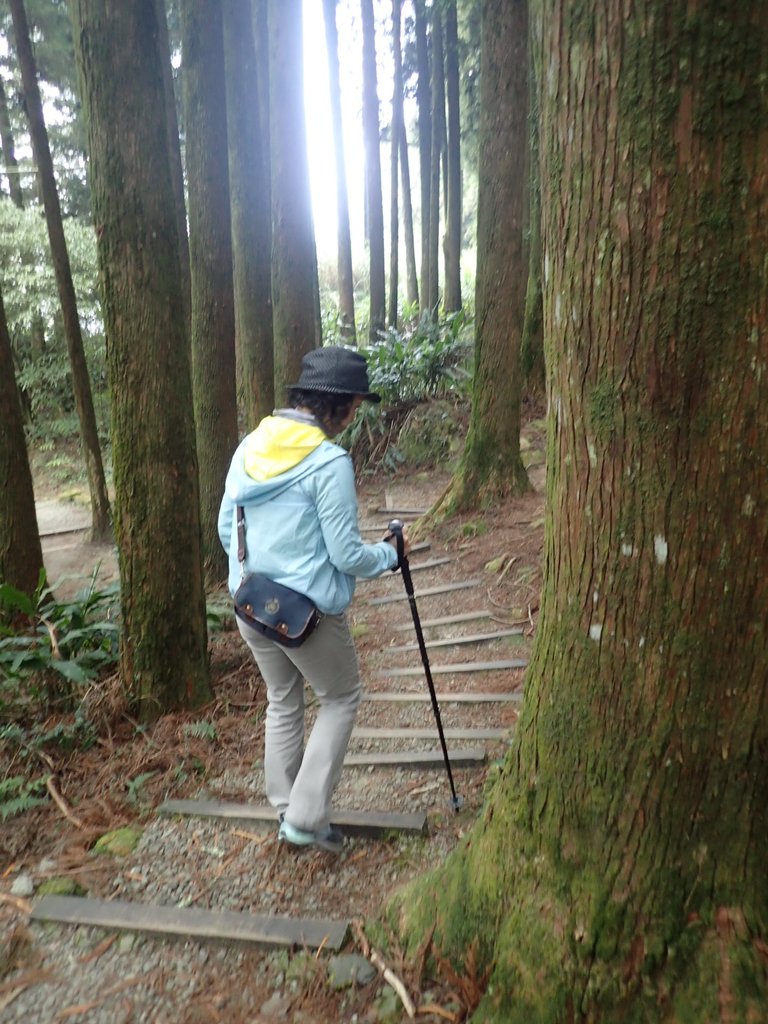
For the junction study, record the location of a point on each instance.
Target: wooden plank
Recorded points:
(374, 733)
(192, 922)
(352, 823)
(456, 641)
(402, 511)
(431, 563)
(445, 620)
(467, 758)
(446, 588)
(444, 698)
(466, 666)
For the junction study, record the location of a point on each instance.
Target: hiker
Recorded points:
(297, 489)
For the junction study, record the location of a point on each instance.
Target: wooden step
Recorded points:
(456, 641)
(445, 620)
(352, 823)
(446, 588)
(364, 732)
(192, 922)
(464, 666)
(467, 758)
(431, 563)
(421, 696)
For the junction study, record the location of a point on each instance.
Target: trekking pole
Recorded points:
(396, 529)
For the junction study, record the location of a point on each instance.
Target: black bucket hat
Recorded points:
(335, 370)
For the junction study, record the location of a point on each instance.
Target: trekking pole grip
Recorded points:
(395, 527)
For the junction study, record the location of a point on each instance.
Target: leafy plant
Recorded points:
(202, 730)
(18, 794)
(51, 648)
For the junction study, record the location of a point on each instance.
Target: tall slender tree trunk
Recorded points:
(411, 275)
(437, 156)
(89, 438)
(251, 217)
(294, 259)
(21, 557)
(344, 261)
(177, 168)
(157, 521)
(424, 105)
(395, 132)
(374, 203)
(210, 250)
(9, 151)
(532, 344)
(453, 224)
(618, 871)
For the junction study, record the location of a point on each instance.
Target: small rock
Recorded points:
(22, 886)
(126, 942)
(47, 865)
(350, 969)
(276, 1006)
(119, 843)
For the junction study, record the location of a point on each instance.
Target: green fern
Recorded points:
(18, 795)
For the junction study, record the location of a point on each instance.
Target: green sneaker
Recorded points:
(329, 839)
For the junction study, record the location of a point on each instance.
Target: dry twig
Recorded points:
(389, 976)
(58, 799)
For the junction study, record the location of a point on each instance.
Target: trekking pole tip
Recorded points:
(457, 802)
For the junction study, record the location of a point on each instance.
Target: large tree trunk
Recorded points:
(81, 385)
(9, 151)
(395, 132)
(411, 276)
(424, 105)
(21, 558)
(210, 252)
(163, 655)
(295, 294)
(618, 873)
(436, 157)
(251, 217)
(532, 343)
(374, 207)
(344, 260)
(453, 221)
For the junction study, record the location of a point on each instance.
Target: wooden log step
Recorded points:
(402, 511)
(445, 620)
(446, 588)
(367, 824)
(467, 758)
(192, 922)
(422, 696)
(374, 733)
(456, 641)
(431, 563)
(464, 666)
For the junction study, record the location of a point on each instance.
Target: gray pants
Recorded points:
(300, 781)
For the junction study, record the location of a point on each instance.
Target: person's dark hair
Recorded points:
(326, 406)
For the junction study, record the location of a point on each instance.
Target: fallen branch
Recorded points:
(389, 976)
(16, 901)
(58, 799)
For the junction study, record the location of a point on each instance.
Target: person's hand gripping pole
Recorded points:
(396, 530)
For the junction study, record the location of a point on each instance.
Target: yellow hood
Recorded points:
(277, 445)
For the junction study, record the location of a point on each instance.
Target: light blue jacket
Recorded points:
(301, 525)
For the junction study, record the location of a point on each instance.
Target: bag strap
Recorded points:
(241, 539)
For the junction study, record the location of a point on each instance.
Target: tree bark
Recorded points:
(210, 251)
(532, 344)
(375, 211)
(251, 219)
(344, 261)
(295, 295)
(395, 133)
(163, 657)
(21, 557)
(424, 105)
(453, 221)
(618, 871)
(9, 151)
(436, 156)
(89, 438)
(411, 276)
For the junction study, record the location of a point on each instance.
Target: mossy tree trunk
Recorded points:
(618, 872)
(295, 296)
(81, 384)
(491, 468)
(346, 282)
(210, 258)
(424, 105)
(394, 151)
(532, 344)
(373, 197)
(453, 220)
(157, 523)
(21, 557)
(251, 217)
(437, 155)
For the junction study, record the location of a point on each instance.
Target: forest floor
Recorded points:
(57, 972)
